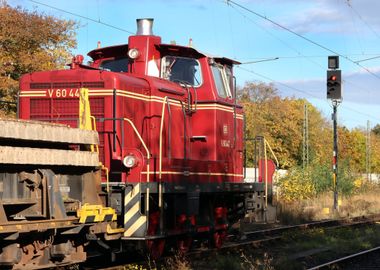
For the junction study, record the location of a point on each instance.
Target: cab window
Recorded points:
(222, 80)
(230, 79)
(181, 70)
(115, 65)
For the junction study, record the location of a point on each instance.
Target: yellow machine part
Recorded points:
(95, 213)
(84, 110)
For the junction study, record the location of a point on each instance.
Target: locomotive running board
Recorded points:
(135, 223)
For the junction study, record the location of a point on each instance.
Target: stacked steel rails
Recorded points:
(47, 174)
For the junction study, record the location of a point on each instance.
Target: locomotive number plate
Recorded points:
(63, 93)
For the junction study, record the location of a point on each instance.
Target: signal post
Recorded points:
(334, 92)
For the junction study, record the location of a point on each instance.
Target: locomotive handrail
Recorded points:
(266, 174)
(107, 178)
(94, 128)
(184, 126)
(160, 160)
(189, 105)
(190, 101)
(235, 113)
(104, 168)
(139, 137)
(147, 165)
(195, 101)
(273, 154)
(266, 168)
(160, 143)
(166, 102)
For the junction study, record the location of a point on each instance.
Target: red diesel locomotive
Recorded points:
(170, 137)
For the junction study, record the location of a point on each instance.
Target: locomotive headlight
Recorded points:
(133, 53)
(129, 161)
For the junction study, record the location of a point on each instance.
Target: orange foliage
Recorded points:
(30, 42)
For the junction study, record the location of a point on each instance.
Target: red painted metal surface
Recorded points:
(200, 145)
(270, 167)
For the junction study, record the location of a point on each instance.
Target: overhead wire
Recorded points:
(309, 40)
(229, 2)
(361, 18)
(274, 36)
(358, 34)
(280, 83)
(300, 55)
(253, 12)
(373, 56)
(81, 16)
(305, 92)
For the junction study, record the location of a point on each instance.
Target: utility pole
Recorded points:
(368, 152)
(305, 141)
(334, 92)
(335, 153)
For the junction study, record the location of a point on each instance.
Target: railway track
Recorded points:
(357, 260)
(262, 239)
(265, 235)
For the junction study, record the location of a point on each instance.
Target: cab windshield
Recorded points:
(115, 65)
(223, 80)
(181, 70)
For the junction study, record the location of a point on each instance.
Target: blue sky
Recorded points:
(348, 27)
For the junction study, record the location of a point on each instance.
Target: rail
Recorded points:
(346, 258)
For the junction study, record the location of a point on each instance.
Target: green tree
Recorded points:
(30, 42)
(376, 130)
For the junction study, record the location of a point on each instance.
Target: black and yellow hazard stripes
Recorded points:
(135, 223)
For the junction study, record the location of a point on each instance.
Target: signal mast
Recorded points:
(334, 92)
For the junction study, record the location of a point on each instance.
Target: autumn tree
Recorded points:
(352, 148)
(257, 92)
(280, 121)
(29, 42)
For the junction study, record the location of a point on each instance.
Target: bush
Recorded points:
(302, 184)
(297, 185)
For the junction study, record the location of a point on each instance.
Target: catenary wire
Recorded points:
(305, 92)
(83, 17)
(229, 2)
(315, 43)
(260, 75)
(361, 18)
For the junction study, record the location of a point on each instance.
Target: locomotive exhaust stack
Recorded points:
(144, 27)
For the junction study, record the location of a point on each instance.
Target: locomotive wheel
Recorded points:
(155, 247)
(184, 243)
(218, 238)
(220, 218)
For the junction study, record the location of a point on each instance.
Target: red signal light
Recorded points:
(334, 87)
